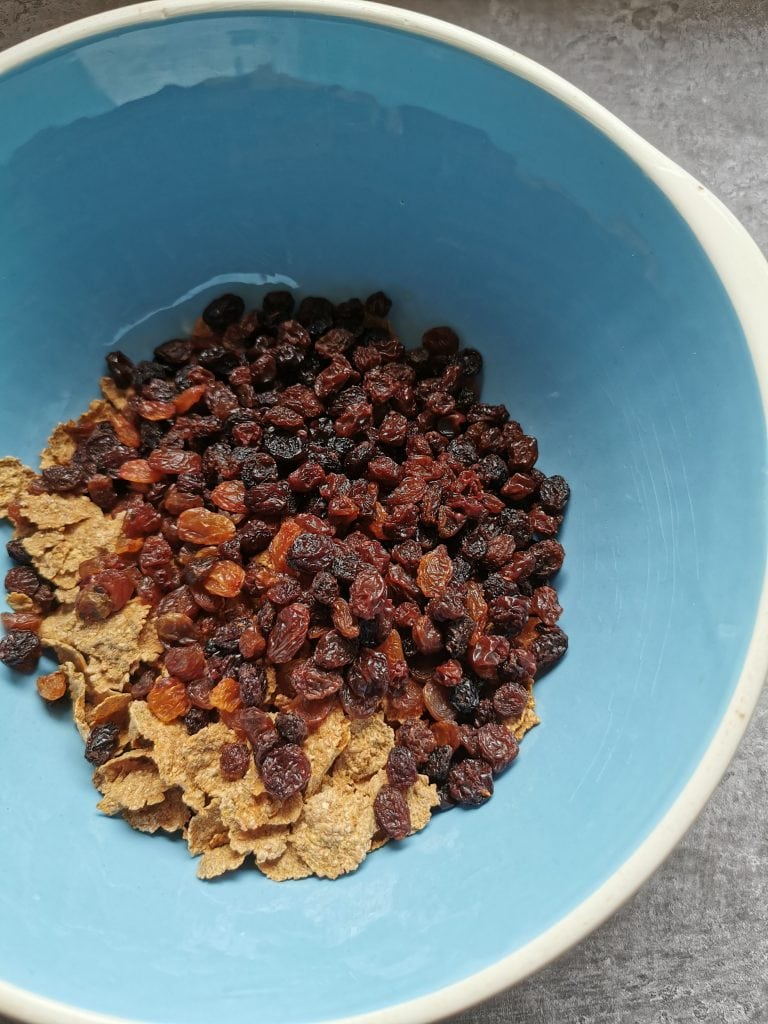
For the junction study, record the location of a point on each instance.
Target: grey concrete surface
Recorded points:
(692, 77)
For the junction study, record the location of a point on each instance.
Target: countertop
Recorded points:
(691, 76)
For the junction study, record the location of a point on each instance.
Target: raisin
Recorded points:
(496, 745)
(465, 697)
(401, 767)
(168, 699)
(510, 700)
(440, 341)
(390, 809)
(545, 606)
(324, 588)
(285, 771)
(470, 782)
(186, 663)
(17, 552)
(367, 593)
(233, 761)
(120, 369)
(311, 553)
(199, 526)
(225, 579)
(434, 572)
(554, 493)
(288, 633)
(416, 735)
(195, 720)
(263, 743)
(312, 683)
(20, 650)
(548, 555)
(548, 647)
(22, 579)
(458, 635)
(438, 764)
(292, 727)
(439, 701)
(333, 651)
(488, 654)
(223, 311)
(101, 743)
(253, 684)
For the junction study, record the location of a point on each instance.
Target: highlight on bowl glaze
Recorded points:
(156, 155)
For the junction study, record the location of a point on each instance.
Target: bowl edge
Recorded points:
(743, 271)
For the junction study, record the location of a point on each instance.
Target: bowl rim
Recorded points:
(743, 272)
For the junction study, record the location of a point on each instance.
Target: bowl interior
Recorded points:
(145, 170)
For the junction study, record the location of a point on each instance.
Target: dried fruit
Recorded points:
(101, 743)
(234, 761)
(392, 814)
(401, 767)
(288, 633)
(199, 526)
(296, 539)
(52, 686)
(470, 782)
(20, 650)
(285, 771)
(225, 579)
(496, 745)
(168, 700)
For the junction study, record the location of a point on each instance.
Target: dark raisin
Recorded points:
(253, 684)
(311, 553)
(20, 649)
(510, 700)
(223, 311)
(438, 764)
(316, 314)
(292, 727)
(548, 647)
(324, 588)
(101, 743)
(554, 493)
(120, 369)
(470, 782)
(401, 767)
(496, 745)
(465, 697)
(390, 809)
(285, 771)
(195, 720)
(17, 552)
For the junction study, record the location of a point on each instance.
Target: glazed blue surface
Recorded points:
(338, 157)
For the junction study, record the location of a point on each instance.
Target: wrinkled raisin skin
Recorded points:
(285, 771)
(101, 743)
(391, 811)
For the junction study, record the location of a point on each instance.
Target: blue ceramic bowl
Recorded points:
(151, 157)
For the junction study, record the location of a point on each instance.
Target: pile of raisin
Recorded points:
(411, 542)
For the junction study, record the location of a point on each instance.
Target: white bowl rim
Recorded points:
(744, 274)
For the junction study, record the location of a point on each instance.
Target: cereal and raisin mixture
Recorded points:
(298, 579)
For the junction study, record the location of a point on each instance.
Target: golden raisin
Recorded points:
(125, 431)
(225, 579)
(168, 700)
(184, 402)
(199, 526)
(139, 471)
(281, 543)
(434, 572)
(226, 695)
(52, 686)
(230, 496)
